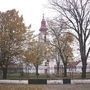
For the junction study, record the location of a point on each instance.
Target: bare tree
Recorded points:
(60, 41)
(77, 13)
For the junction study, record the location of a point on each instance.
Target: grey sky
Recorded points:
(32, 10)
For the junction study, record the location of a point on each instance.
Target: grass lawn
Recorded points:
(16, 76)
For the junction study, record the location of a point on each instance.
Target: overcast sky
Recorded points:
(32, 10)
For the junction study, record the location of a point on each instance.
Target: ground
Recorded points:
(45, 87)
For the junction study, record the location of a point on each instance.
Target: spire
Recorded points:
(43, 27)
(43, 15)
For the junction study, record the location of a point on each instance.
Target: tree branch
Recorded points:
(88, 53)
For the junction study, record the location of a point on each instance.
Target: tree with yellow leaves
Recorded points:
(12, 31)
(34, 55)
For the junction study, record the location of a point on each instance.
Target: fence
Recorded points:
(44, 72)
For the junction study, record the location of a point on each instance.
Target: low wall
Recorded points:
(45, 81)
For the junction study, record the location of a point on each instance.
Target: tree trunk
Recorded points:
(65, 69)
(83, 55)
(84, 60)
(58, 63)
(4, 72)
(37, 70)
(84, 67)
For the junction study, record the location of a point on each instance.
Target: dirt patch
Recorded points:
(45, 87)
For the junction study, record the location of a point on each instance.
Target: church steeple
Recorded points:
(43, 15)
(43, 30)
(43, 39)
(43, 27)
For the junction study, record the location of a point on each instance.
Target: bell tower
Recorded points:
(43, 30)
(43, 39)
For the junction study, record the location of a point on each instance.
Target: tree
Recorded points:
(12, 30)
(61, 40)
(77, 13)
(35, 55)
